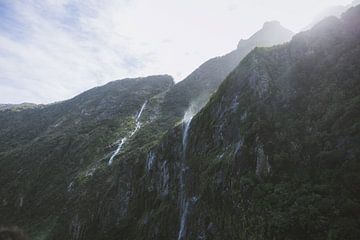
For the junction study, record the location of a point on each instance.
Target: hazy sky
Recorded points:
(51, 50)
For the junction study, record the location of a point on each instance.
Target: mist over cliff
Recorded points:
(259, 143)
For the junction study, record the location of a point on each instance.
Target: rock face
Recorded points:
(75, 169)
(200, 84)
(17, 107)
(275, 152)
(273, 155)
(50, 154)
(335, 11)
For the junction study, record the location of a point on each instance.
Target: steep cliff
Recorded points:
(275, 152)
(201, 83)
(75, 169)
(48, 153)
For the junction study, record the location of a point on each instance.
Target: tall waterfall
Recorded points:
(184, 201)
(124, 139)
(186, 124)
(137, 119)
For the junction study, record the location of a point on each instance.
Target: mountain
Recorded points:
(200, 84)
(74, 169)
(17, 107)
(46, 151)
(275, 152)
(272, 155)
(335, 11)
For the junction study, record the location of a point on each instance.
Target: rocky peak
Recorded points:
(198, 86)
(355, 2)
(271, 33)
(352, 19)
(239, 136)
(272, 24)
(18, 107)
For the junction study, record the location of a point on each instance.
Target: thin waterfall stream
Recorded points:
(184, 201)
(124, 139)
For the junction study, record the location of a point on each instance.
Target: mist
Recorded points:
(52, 50)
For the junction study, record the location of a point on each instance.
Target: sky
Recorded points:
(52, 50)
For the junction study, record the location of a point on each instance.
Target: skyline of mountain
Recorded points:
(260, 143)
(52, 51)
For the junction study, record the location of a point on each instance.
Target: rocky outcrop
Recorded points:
(56, 157)
(254, 151)
(272, 155)
(200, 84)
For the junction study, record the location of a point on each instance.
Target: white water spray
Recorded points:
(70, 186)
(182, 230)
(123, 140)
(137, 120)
(184, 201)
(186, 124)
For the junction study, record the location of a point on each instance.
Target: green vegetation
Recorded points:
(274, 154)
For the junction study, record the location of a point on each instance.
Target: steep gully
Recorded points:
(124, 139)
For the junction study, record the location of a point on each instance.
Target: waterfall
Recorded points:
(182, 230)
(137, 119)
(70, 186)
(141, 111)
(150, 161)
(124, 139)
(184, 201)
(186, 124)
(21, 201)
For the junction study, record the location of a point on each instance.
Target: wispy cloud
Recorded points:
(62, 48)
(51, 50)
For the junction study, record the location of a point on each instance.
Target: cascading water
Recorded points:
(123, 140)
(150, 161)
(184, 201)
(186, 124)
(137, 119)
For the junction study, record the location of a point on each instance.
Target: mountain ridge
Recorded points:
(274, 154)
(265, 158)
(203, 81)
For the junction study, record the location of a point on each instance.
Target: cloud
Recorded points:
(51, 50)
(56, 49)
